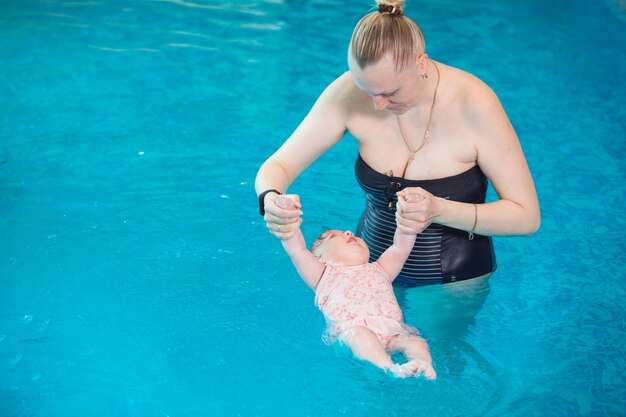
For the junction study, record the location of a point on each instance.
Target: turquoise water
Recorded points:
(137, 279)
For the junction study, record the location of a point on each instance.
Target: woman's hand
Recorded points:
(416, 210)
(282, 214)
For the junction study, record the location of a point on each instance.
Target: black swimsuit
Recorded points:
(441, 254)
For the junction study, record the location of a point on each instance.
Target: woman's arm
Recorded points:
(322, 128)
(500, 157)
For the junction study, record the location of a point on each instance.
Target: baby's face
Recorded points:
(343, 247)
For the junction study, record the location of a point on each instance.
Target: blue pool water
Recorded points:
(137, 279)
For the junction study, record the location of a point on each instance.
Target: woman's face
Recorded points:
(392, 90)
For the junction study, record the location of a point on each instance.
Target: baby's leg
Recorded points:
(416, 350)
(365, 345)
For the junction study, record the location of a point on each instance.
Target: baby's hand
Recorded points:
(402, 201)
(413, 198)
(282, 215)
(284, 202)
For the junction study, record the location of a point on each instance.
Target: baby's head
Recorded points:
(342, 247)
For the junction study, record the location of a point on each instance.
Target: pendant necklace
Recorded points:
(426, 132)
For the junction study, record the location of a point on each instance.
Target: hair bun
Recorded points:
(394, 8)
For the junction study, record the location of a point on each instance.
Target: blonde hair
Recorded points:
(315, 247)
(387, 30)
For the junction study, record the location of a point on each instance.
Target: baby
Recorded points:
(357, 298)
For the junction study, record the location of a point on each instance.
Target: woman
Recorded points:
(422, 127)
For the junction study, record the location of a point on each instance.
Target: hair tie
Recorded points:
(392, 10)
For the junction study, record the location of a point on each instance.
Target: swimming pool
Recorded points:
(137, 279)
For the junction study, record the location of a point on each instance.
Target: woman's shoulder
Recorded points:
(464, 84)
(468, 92)
(344, 92)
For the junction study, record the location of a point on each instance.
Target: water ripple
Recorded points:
(226, 7)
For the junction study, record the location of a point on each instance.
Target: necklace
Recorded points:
(426, 132)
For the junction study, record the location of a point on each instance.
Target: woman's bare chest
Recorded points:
(407, 150)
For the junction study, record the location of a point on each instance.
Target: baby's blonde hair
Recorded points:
(387, 30)
(315, 247)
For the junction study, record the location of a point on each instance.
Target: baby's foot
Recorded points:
(400, 370)
(406, 370)
(423, 368)
(413, 369)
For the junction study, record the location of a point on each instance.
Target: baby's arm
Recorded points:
(392, 260)
(308, 266)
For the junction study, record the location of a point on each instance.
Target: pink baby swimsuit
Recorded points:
(359, 295)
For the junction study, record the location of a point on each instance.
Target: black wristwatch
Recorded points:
(262, 200)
